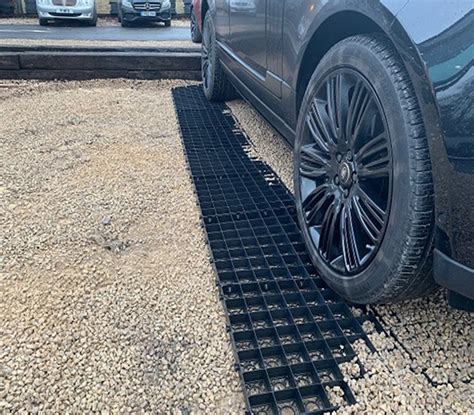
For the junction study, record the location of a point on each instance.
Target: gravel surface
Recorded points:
(160, 44)
(108, 298)
(425, 364)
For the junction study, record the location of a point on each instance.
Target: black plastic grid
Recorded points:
(289, 330)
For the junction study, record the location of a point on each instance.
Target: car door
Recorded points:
(221, 21)
(247, 32)
(255, 44)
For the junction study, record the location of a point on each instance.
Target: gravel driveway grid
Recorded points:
(108, 301)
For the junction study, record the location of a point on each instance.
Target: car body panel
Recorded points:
(435, 39)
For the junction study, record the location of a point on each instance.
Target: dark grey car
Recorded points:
(137, 11)
(377, 98)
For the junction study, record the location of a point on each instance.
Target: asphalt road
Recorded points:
(79, 32)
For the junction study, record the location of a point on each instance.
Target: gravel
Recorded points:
(159, 44)
(108, 298)
(424, 364)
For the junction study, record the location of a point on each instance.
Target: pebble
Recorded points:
(106, 221)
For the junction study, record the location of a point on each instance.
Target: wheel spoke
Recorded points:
(328, 230)
(314, 202)
(373, 158)
(370, 228)
(350, 250)
(377, 168)
(338, 103)
(375, 210)
(317, 122)
(374, 146)
(313, 163)
(360, 102)
(333, 99)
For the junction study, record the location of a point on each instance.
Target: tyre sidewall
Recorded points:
(209, 26)
(368, 284)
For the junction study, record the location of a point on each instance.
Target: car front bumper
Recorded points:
(56, 12)
(132, 15)
(453, 275)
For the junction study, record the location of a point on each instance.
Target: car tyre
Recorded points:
(167, 23)
(93, 21)
(216, 86)
(43, 22)
(359, 99)
(124, 23)
(196, 35)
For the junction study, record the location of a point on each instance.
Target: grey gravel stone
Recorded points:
(106, 221)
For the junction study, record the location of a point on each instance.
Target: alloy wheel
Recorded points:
(206, 55)
(344, 172)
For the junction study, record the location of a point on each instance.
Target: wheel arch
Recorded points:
(349, 23)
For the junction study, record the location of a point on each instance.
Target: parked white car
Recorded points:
(85, 10)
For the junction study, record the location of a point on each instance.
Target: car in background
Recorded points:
(53, 10)
(196, 20)
(377, 99)
(139, 11)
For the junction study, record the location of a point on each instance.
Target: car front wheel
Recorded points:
(363, 181)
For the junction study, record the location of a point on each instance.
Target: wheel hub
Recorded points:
(345, 174)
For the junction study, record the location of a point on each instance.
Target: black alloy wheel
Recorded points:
(345, 171)
(206, 56)
(363, 181)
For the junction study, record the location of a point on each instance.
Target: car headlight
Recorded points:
(127, 3)
(85, 2)
(166, 4)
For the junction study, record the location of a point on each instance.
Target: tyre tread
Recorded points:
(412, 276)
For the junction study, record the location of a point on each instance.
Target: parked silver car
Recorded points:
(85, 10)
